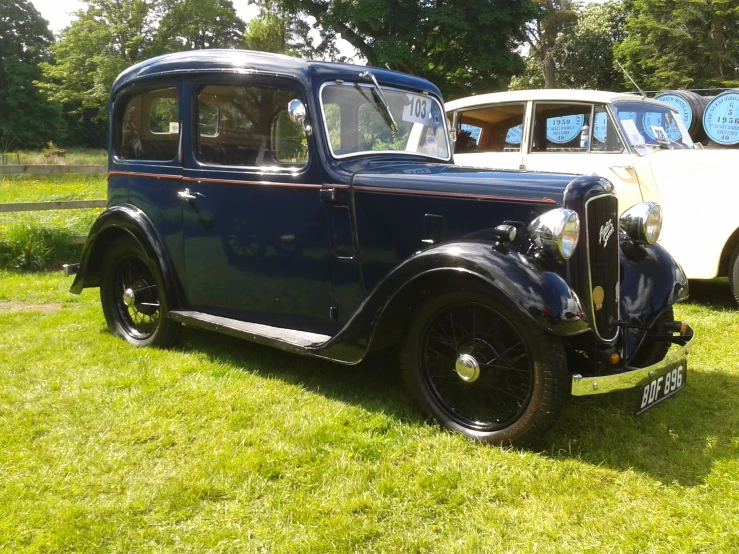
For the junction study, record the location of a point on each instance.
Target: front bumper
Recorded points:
(584, 386)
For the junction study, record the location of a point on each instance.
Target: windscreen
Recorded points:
(648, 124)
(357, 121)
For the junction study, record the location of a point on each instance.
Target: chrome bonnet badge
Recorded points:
(606, 231)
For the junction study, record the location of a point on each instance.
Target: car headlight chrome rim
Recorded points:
(556, 232)
(643, 222)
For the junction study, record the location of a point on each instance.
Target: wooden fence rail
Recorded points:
(51, 169)
(58, 205)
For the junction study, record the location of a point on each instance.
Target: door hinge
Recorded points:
(329, 195)
(333, 312)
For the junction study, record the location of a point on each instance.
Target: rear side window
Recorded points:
(490, 129)
(561, 128)
(248, 126)
(149, 126)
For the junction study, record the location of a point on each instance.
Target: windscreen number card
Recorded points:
(417, 109)
(662, 385)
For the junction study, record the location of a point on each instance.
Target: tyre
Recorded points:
(734, 273)
(133, 296)
(652, 351)
(478, 367)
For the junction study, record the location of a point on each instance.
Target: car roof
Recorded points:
(571, 95)
(249, 61)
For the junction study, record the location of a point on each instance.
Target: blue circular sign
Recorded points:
(658, 119)
(514, 134)
(721, 118)
(600, 129)
(562, 130)
(680, 103)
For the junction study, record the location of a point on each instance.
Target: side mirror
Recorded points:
(297, 113)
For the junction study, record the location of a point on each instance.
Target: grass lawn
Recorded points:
(223, 446)
(38, 240)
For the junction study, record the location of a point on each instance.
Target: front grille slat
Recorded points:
(601, 215)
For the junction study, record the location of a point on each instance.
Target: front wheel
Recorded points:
(133, 297)
(474, 364)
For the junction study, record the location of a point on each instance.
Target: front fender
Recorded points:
(125, 220)
(542, 296)
(651, 282)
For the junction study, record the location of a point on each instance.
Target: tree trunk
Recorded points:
(549, 69)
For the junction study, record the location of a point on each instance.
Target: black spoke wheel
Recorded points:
(478, 366)
(133, 297)
(734, 273)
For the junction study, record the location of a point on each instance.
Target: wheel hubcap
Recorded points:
(467, 368)
(129, 297)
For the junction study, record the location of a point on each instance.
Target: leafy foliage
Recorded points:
(682, 43)
(108, 37)
(27, 120)
(553, 19)
(464, 46)
(279, 31)
(583, 54)
(197, 24)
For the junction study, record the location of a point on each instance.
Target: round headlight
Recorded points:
(556, 232)
(643, 222)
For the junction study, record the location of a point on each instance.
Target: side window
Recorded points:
(149, 126)
(248, 126)
(490, 129)
(605, 136)
(561, 128)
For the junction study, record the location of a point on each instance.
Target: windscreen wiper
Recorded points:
(381, 97)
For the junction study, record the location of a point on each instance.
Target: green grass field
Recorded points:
(223, 446)
(42, 240)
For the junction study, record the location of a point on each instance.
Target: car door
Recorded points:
(146, 168)
(581, 138)
(490, 136)
(254, 225)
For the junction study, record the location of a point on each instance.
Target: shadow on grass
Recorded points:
(678, 441)
(715, 293)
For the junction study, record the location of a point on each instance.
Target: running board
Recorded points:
(291, 340)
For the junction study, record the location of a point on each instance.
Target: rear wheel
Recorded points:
(133, 297)
(734, 273)
(479, 368)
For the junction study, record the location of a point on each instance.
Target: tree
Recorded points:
(198, 24)
(27, 120)
(553, 18)
(277, 30)
(464, 46)
(109, 36)
(682, 43)
(583, 55)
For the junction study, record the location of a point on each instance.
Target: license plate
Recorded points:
(661, 386)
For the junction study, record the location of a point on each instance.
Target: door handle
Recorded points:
(622, 167)
(186, 195)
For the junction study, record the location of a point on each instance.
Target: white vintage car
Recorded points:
(640, 145)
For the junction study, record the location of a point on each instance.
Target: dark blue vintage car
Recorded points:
(313, 207)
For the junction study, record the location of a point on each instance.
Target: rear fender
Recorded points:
(541, 296)
(115, 222)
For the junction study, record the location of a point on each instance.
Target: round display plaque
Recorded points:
(514, 134)
(721, 118)
(562, 130)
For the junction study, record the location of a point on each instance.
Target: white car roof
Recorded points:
(571, 95)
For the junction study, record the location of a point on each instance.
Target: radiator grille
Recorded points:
(601, 214)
